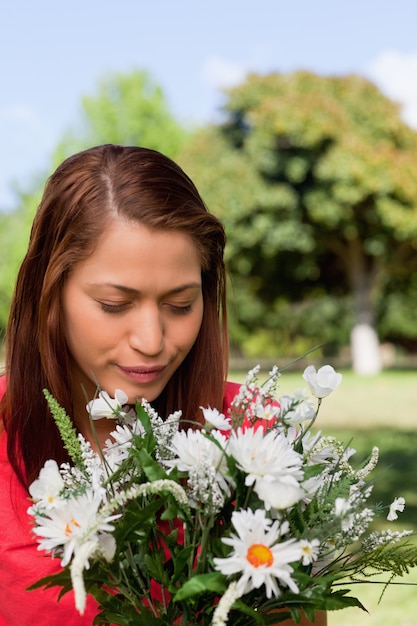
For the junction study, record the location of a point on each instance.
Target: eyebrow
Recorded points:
(136, 292)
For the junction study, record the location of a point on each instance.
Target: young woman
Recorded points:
(123, 286)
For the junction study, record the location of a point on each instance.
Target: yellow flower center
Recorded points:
(258, 554)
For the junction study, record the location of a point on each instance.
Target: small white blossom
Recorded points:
(215, 419)
(204, 489)
(116, 449)
(382, 538)
(266, 411)
(164, 430)
(372, 463)
(105, 406)
(296, 409)
(323, 381)
(353, 527)
(342, 509)
(195, 452)
(45, 490)
(221, 613)
(397, 505)
(309, 550)
(79, 563)
(103, 545)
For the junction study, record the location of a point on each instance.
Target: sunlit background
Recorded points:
(60, 60)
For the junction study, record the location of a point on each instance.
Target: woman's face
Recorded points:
(132, 311)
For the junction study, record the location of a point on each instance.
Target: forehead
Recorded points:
(130, 253)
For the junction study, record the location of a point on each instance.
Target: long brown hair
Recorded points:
(81, 196)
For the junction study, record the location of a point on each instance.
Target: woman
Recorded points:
(123, 286)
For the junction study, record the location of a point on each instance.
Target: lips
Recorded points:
(142, 373)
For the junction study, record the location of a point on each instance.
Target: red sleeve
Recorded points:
(2, 386)
(231, 390)
(22, 564)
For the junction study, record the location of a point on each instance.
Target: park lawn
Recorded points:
(361, 402)
(397, 607)
(365, 412)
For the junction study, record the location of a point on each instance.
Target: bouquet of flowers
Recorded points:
(224, 522)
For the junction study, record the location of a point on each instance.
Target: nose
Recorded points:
(147, 331)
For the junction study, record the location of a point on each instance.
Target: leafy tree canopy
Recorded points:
(128, 109)
(316, 182)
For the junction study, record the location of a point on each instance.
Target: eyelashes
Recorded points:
(120, 308)
(113, 308)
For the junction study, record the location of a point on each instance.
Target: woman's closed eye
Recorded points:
(117, 307)
(120, 307)
(178, 309)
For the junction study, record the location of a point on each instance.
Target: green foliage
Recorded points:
(14, 234)
(397, 309)
(66, 429)
(128, 109)
(293, 327)
(315, 182)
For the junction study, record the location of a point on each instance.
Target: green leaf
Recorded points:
(339, 600)
(152, 469)
(200, 584)
(144, 417)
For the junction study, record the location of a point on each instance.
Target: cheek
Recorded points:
(83, 329)
(184, 334)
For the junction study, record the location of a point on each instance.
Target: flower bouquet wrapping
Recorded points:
(224, 522)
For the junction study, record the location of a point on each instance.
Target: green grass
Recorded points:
(397, 607)
(375, 411)
(389, 399)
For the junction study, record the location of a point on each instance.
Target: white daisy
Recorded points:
(257, 555)
(117, 448)
(309, 550)
(193, 450)
(71, 525)
(272, 466)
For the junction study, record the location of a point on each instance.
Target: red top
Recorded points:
(22, 564)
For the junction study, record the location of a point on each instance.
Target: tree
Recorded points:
(322, 193)
(14, 235)
(128, 109)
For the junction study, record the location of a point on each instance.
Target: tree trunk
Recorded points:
(366, 355)
(364, 342)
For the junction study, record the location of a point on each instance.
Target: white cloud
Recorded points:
(25, 116)
(396, 75)
(220, 74)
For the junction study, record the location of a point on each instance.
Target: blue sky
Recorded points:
(52, 53)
